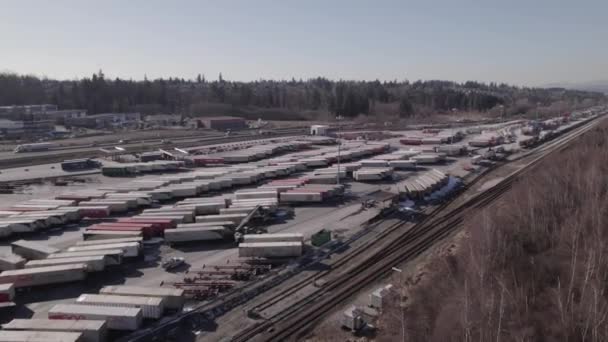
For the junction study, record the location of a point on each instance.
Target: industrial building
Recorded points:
(222, 123)
(106, 120)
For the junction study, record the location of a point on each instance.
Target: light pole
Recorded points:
(400, 271)
(339, 118)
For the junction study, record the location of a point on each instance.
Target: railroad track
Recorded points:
(208, 312)
(296, 320)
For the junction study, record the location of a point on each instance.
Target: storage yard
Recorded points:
(150, 239)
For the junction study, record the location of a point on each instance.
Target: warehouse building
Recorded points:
(222, 123)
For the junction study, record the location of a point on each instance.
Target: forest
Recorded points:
(192, 97)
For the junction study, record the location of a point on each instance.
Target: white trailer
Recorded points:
(109, 241)
(151, 307)
(39, 336)
(236, 218)
(203, 208)
(270, 249)
(294, 197)
(92, 330)
(130, 249)
(109, 234)
(117, 318)
(228, 224)
(95, 263)
(195, 234)
(112, 256)
(115, 206)
(11, 262)
(44, 275)
(278, 237)
(32, 250)
(7, 292)
(173, 298)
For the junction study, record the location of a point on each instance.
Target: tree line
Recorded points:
(99, 94)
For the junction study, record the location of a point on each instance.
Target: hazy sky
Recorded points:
(522, 42)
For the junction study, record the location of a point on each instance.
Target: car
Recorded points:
(172, 263)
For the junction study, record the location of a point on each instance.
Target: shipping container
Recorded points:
(236, 218)
(11, 262)
(300, 196)
(44, 275)
(195, 234)
(117, 318)
(92, 330)
(79, 164)
(276, 237)
(108, 234)
(162, 223)
(270, 249)
(226, 224)
(39, 336)
(130, 249)
(152, 307)
(173, 298)
(7, 292)
(32, 250)
(109, 241)
(94, 263)
(93, 211)
(112, 256)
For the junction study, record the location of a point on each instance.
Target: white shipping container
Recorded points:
(11, 262)
(236, 218)
(277, 237)
(112, 256)
(206, 224)
(109, 241)
(92, 330)
(152, 307)
(117, 318)
(94, 263)
(44, 275)
(32, 250)
(7, 292)
(256, 194)
(195, 234)
(130, 249)
(173, 298)
(39, 336)
(294, 197)
(270, 249)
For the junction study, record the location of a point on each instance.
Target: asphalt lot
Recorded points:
(345, 218)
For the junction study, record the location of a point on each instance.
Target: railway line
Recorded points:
(296, 320)
(8, 160)
(362, 264)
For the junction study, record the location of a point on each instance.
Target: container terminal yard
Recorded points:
(243, 240)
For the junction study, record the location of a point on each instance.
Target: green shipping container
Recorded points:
(320, 238)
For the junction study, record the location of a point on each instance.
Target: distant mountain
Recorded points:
(599, 86)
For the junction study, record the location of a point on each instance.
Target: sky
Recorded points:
(533, 42)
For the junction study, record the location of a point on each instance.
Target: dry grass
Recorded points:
(533, 268)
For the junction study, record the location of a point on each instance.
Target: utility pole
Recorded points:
(339, 118)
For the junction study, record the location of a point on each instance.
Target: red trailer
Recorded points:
(94, 212)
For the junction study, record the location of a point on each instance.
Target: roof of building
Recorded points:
(221, 118)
